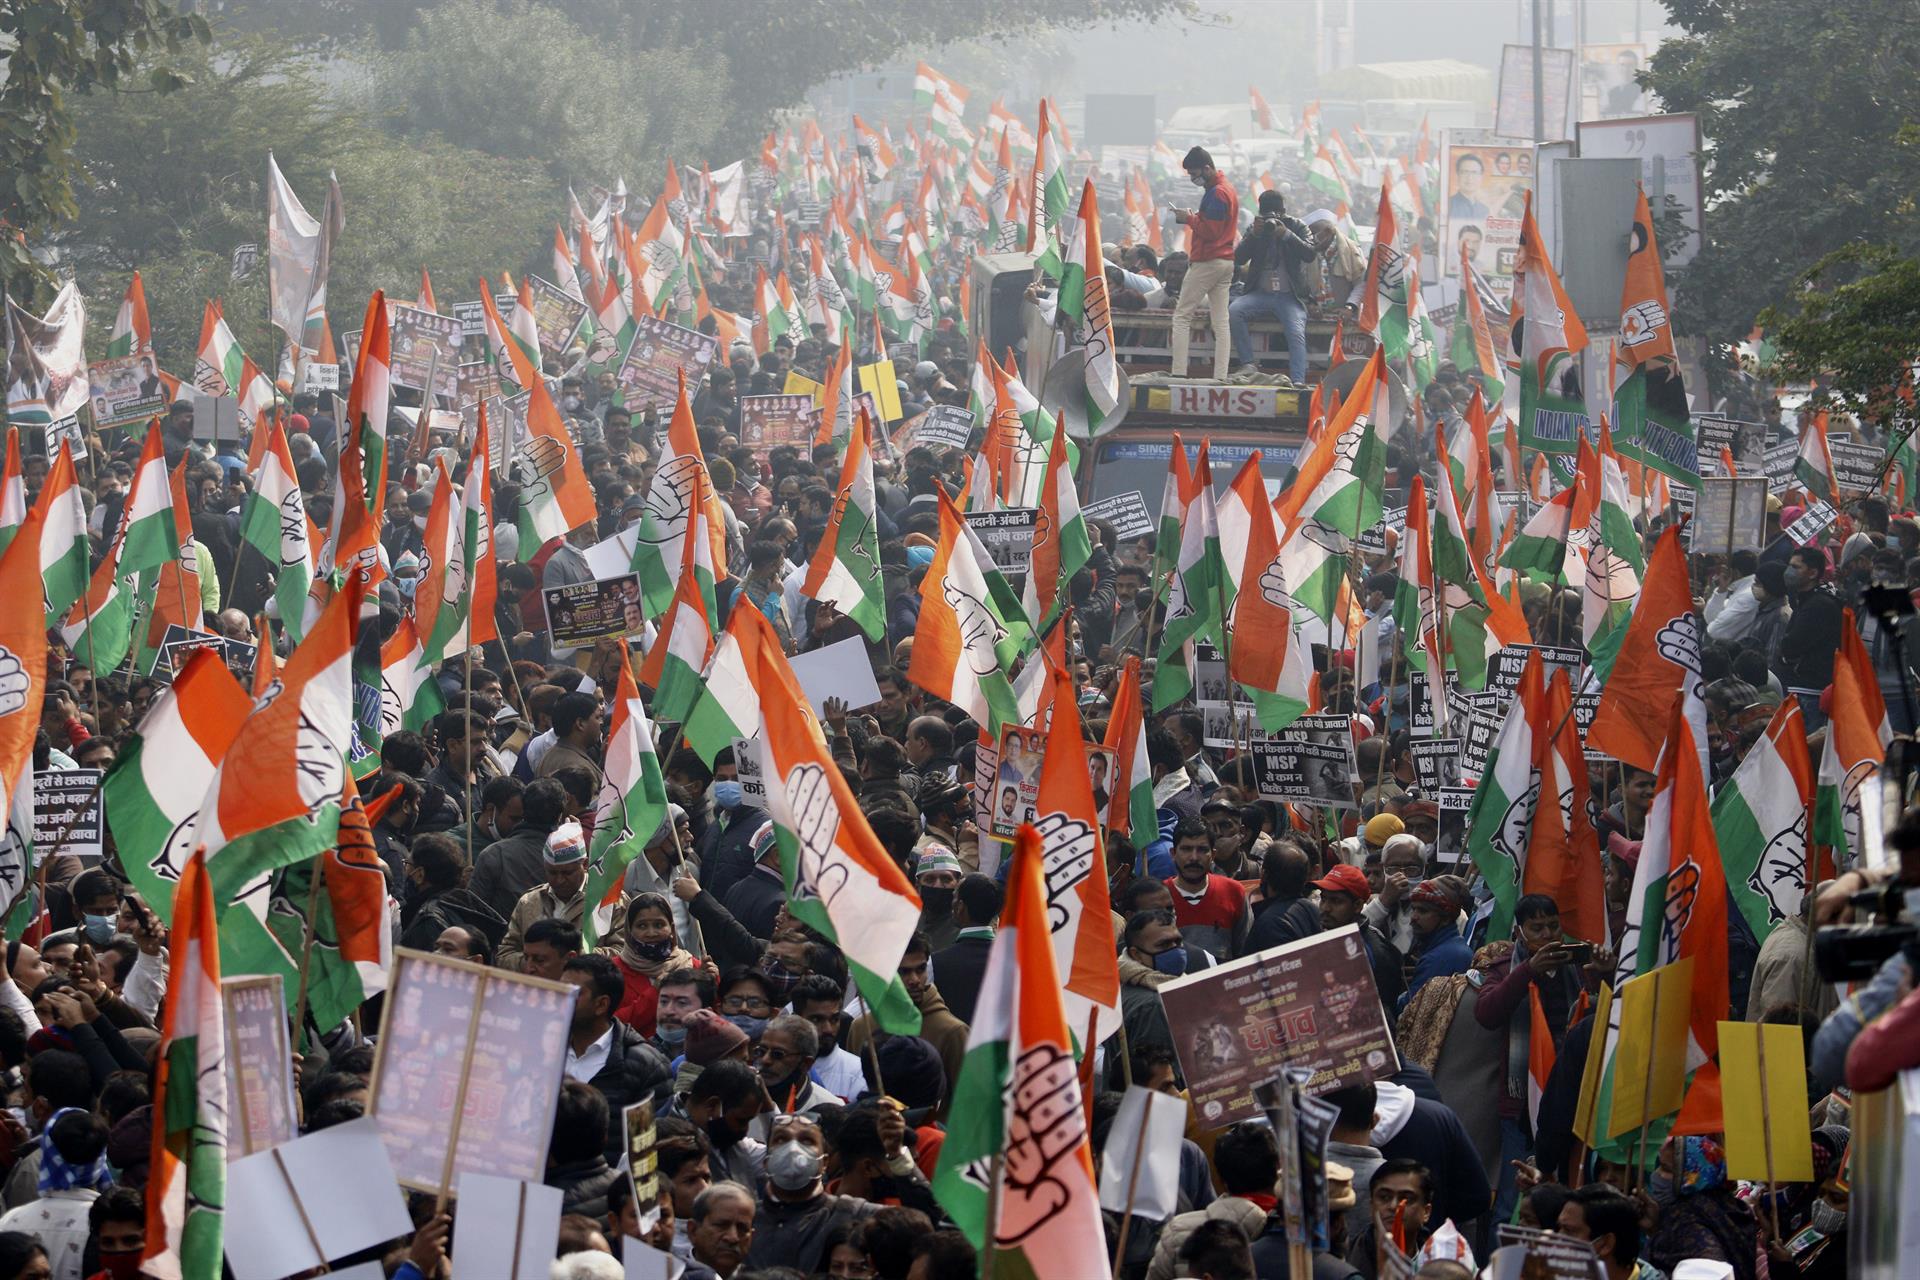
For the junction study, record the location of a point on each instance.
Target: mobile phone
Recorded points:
(1579, 952)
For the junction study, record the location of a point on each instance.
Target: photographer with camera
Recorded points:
(1273, 257)
(1872, 1035)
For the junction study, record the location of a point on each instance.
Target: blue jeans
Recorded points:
(1285, 308)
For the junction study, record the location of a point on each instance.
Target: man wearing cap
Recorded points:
(1273, 254)
(1438, 948)
(1343, 896)
(1209, 278)
(937, 876)
(756, 898)
(563, 895)
(1402, 865)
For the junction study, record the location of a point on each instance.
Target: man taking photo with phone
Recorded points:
(1209, 278)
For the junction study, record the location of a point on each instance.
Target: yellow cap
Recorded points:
(1382, 828)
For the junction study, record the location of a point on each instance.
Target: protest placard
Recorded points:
(1507, 665)
(1585, 707)
(1126, 512)
(1140, 1175)
(66, 811)
(945, 426)
(1304, 772)
(580, 613)
(66, 431)
(556, 315)
(450, 1099)
(422, 338)
(643, 1169)
(1016, 784)
(840, 670)
(315, 376)
(767, 422)
(1373, 540)
(1812, 523)
(505, 1228)
(1856, 467)
(1450, 837)
(650, 375)
(1763, 1074)
(476, 380)
(1436, 764)
(1007, 535)
(1730, 514)
(883, 382)
(1477, 736)
(292, 1208)
(260, 1104)
(125, 389)
(1538, 1253)
(1309, 1004)
(178, 643)
(746, 764)
(1654, 1010)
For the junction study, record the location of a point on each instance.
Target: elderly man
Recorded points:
(563, 895)
(721, 1230)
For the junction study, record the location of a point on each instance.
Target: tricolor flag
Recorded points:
(1473, 348)
(152, 793)
(1267, 660)
(1500, 820)
(1540, 1055)
(1061, 546)
(1131, 809)
(681, 650)
(1068, 822)
(476, 543)
(1047, 206)
(963, 646)
(1563, 853)
(1019, 1090)
(839, 881)
(629, 808)
(1813, 464)
(845, 571)
(23, 667)
(1336, 494)
(442, 588)
(554, 494)
(1262, 115)
(360, 483)
(100, 623)
(187, 1178)
(13, 494)
(409, 695)
(729, 703)
(681, 475)
(1650, 420)
(273, 521)
(1656, 667)
(1386, 281)
(352, 928)
(64, 550)
(1761, 818)
(1085, 314)
(132, 332)
(1196, 605)
(1847, 811)
(1177, 494)
(275, 799)
(1552, 403)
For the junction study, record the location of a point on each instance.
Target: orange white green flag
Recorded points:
(963, 646)
(628, 810)
(1847, 804)
(1018, 1115)
(838, 878)
(187, 1181)
(845, 571)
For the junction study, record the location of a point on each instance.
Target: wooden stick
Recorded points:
(317, 879)
(460, 1095)
(1133, 1182)
(313, 1237)
(1766, 1126)
(996, 1166)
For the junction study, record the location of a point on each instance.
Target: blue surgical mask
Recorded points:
(99, 930)
(1172, 961)
(752, 1026)
(672, 1037)
(728, 795)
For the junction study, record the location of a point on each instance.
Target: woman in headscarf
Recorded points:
(1698, 1213)
(1812, 1240)
(648, 953)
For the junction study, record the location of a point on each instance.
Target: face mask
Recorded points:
(1661, 1191)
(654, 951)
(1796, 578)
(936, 904)
(99, 930)
(672, 1037)
(1172, 961)
(782, 979)
(121, 1266)
(1826, 1219)
(719, 1134)
(728, 795)
(792, 1166)
(570, 402)
(748, 1023)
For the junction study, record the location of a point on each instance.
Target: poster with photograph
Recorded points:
(1607, 81)
(1513, 114)
(1016, 783)
(1310, 1004)
(126, 390)
(259, 1065)
(582, 613)
(421, 338)
(1436, 763)
(1486, 187)
(1450, 839)
(557, 315)
(767, 422)
(1507, 665)
(1304, 772)
(661, 351)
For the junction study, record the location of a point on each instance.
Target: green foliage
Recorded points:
(1811, 111)
(1855, 330)
(173, 184)
(58, 51)
(522, 82)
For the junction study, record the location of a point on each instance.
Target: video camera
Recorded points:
(1855, 952)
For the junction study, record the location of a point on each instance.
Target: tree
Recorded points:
(1854, 331)
(57, 51)
(1811, 111)
(171, 185)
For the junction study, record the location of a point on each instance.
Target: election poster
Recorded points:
(1016, 783)
(556, 315)
(126, 390)
(581, 613)
(467, 1069)
(661, 351)
(1486, 193)
(260, 1101)
(1514, 113)
(1309, 1004)
(768, 422)
(1608, 84)
(422, 338)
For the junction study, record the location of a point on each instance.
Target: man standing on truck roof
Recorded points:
(1210, 277)
(1275, 252)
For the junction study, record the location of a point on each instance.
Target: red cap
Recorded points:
(1346, 879)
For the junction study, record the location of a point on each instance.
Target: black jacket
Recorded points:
(959, 969)
(1283, 922)
(459, 906)
(1266, 248)
(634, 1070)
(584, 1186)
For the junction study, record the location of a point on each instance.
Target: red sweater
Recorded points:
(1215, 223)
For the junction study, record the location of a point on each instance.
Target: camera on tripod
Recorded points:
(1855, 952)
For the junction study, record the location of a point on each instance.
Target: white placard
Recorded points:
(841, 670)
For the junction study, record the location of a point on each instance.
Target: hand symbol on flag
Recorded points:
(544, 456)
(14, 683)
(979, 632)
(816, 822)
(1068, 850)
(670, 499)
(1048, 1124)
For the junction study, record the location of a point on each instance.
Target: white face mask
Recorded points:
(793, 1166)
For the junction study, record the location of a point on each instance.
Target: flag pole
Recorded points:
(308, 931)
(1133, 1182)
